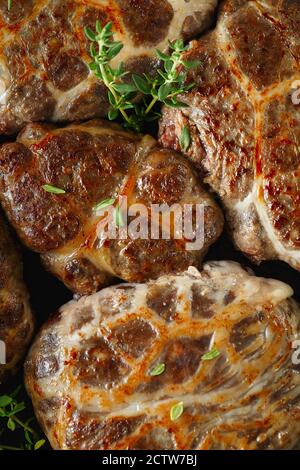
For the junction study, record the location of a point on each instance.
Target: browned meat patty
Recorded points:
(44, 54)
(94, 162)
(244, 123)
(16, 321)
(91, 371)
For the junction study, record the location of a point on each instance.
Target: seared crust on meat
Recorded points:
(44, 56)
(93, 162)
(16, 321)
(244, 122)
(89, 370)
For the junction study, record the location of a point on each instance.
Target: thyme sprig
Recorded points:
(11, 417)
(169, 82)
(103, 49)
(164, 87)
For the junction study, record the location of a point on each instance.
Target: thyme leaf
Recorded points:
(11, 414)
(163, 87)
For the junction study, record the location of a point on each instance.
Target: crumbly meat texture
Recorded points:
(94, 162)
(89, 370)
(244, 122)
(44, 74)
(16, 320)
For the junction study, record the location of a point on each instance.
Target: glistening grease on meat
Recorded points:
(244, 123)
(213, 369)
(93, 162)
(44, 74)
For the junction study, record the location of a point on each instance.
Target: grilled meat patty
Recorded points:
(91, 371)
(244, 122)
(94, 162)
(44, 74)
(16, 320)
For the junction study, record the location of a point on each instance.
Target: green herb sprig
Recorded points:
(53, 189)
(176, 411)
(10, 417)
(169, 82)
(118, 214)
(185, 139)
(210, 355)
(103, 205)
(158, 369)
(103, 49)
(163, 87)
